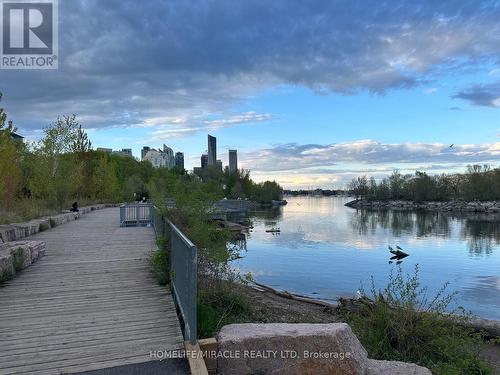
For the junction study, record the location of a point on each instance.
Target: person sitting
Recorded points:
(74, 207)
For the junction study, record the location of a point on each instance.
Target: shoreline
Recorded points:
(279, 308)
(492, 207)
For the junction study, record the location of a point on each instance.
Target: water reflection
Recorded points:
(482, 232)
(326, 250)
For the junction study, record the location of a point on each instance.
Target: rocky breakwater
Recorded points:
(459, 206)
(288, 349)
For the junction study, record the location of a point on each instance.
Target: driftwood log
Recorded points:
(292, 296)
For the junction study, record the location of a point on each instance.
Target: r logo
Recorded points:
(29, 34)
(27, 28)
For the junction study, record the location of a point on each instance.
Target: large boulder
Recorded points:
(8, 233)
(7, 269)
(293, 349)
(21, 256)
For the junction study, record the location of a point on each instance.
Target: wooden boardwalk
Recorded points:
(90, 303)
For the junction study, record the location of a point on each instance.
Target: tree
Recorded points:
(81, 142)
(359, 186)
(10, 171)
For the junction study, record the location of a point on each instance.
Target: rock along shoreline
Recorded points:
(456, 206)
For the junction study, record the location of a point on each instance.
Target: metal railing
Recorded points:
(136, 214)
(183, 261)
(184, 279)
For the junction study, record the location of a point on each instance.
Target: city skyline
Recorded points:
(318, 112)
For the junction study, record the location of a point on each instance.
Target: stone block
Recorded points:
(293, 349)
(7, 233)
(21, 256)
(7, 270)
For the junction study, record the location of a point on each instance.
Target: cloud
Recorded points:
(175, 127)
(124, 63)
(487, 95)
(296, 157)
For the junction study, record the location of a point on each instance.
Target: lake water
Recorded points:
(326, 250)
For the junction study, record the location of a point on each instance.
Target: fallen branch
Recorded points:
(295, 297)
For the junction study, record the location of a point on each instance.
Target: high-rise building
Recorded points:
(204, 160)
(169, 156)
(179, 160)
(144, 151)
(233, 161)
(212, 150)
(218, 164)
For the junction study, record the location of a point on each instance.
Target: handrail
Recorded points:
(184, 272)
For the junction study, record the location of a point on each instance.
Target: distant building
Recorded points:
(104, 149)
(156, 158)
(233, 161)
(16, 137)
(124, 152)
(144, 151)
(179, 160)
(218, 164)
(212, 150)
(169, 155)
(161, 158)
(204, 161)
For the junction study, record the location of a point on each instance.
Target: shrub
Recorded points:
(160, 261)
(402, 324)
(220, 306)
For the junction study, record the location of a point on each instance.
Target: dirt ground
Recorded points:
(270, 308)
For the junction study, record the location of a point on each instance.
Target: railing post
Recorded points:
(193, 277)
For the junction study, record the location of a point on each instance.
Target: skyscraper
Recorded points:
(233, 161)
(144, 151)
(204, 160)
(170, 161)
(212, 150)
(179, 160)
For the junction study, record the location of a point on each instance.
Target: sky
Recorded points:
(310, 93)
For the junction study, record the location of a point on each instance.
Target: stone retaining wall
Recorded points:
(18, 255)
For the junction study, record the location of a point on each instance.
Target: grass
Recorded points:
(401, 323)
(220, 306)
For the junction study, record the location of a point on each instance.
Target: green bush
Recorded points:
(400, 323)
(221, 306)
(160, 262)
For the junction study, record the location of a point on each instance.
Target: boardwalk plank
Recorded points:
(90, 303)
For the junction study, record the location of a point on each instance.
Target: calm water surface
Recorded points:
(326, 250)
